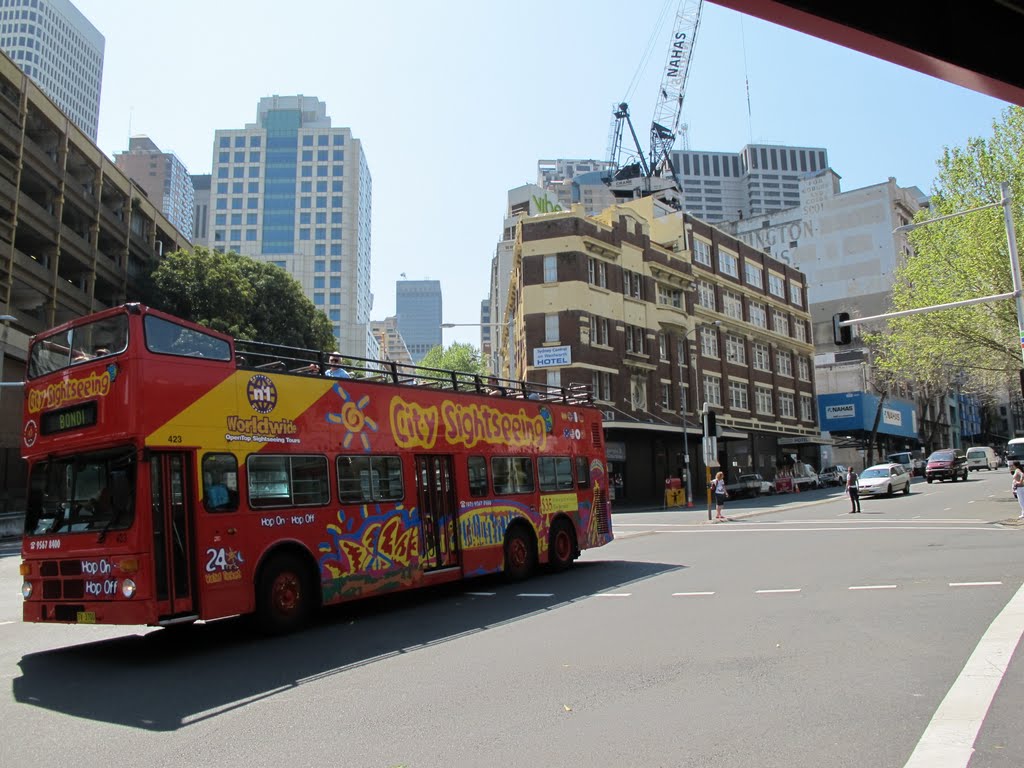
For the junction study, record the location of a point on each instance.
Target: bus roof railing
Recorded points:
(281, 358)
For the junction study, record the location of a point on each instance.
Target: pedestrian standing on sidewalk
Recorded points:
(1018, 486)
(851, 489)
(718, 488)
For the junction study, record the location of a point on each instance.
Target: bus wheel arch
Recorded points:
(563, 547)
(520, 550)
(287, 589)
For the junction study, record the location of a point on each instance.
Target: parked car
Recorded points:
(759, 485)
(981, 457)
(946, 464)
(912, 463)
(884, 480)
(831, 476)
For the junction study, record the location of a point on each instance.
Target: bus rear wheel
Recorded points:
(561, 546)
(284, 598)
(520, 554)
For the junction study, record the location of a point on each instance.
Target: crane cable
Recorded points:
(662, 17)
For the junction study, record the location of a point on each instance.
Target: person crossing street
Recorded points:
(851, 489)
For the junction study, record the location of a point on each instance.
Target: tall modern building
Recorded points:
(760, 178)
(201, 201)
(291, 190)
(61, 51)
(418, 305)
(165, 179)
(392, 345)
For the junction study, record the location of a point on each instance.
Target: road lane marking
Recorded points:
(480, 594)
(536, 594)
(775, 591)
(948, 741)
(2, 623)
(691, 594)
(613, 594)
(736, 527)
(875, 586)
(975, 583)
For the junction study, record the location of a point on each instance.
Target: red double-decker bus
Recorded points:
(177, 474)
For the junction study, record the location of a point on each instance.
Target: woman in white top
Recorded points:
(1018, 486)
(718, 488)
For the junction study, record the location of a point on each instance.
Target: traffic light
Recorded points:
(841, 334)
(710, 429)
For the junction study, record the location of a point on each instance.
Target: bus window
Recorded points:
(169, 338)
(281, 481)
(582, 472)
(75, 494)
(86, 342)
(555, 473)
(220, 482)
(364, 479)
(512, 474)
(477, 471)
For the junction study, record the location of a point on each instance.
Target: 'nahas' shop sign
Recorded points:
(855, 412)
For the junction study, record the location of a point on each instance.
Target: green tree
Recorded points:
(456, 357)
(239, 296)
(962, 258)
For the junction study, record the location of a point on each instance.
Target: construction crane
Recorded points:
(637, 178)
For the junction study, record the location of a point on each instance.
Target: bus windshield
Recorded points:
(1015, 449)
(88, 492)
(80, 344)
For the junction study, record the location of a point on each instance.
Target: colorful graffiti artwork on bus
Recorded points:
(599, 483)
(483, 524)
(353, 418)
(374, 540)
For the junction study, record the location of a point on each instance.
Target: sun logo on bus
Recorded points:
(262, 393)
(353, 418)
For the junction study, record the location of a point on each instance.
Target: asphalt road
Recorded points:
(793, 635)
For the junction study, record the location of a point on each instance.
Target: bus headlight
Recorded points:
(26, 589)
(127, 587)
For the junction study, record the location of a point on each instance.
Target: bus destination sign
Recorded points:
(64, 419)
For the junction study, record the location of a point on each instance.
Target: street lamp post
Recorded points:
(696, 399)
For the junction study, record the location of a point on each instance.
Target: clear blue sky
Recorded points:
(455, 101)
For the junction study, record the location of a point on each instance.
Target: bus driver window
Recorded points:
(220, 482)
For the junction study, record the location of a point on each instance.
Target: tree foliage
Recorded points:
(239, 296)
(962, 258)
(456, 357)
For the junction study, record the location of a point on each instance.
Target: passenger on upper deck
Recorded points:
(336, 371)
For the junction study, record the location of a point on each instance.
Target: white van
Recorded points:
(982, 458)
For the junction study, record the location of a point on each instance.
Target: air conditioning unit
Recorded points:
(608, 415)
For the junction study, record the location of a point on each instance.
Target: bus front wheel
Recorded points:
(284, 599)
(520, 554)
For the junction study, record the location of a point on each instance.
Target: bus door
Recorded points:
(172, 502)
(435, 494)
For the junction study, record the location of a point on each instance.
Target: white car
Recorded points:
(883, 480)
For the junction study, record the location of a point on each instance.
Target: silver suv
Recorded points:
(832, 475)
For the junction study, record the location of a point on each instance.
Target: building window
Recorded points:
(635, 338)
(763, 401)
(554, 378)
(602, 385)
(803, 368)
(786, 405)
(758, 316)
(632, 285)
(670, 297)
(780, 322)
(776, 286)
(551, 269)
(732, 305)
(799, 330)
(666, 396)
(784, 363)
(762, 360)
(597, 273)
(752, 274)
(662, 347)
(712, 390)
(599, 330)
(708, 342)
(735, 351)
(701, 252)
(551, 327)
(738, 398)
(706, 294)
(796, 295)
(806, 408)
(728, 264)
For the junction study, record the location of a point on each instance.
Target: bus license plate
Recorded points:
(86, 617)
